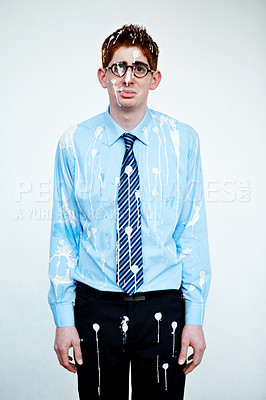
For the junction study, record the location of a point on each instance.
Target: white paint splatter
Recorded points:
(69, 215)
(157, 171)
(134, 269)
(120, 69)
(136, 54)
(62, 279)
(128, 170)
(194, 218)
(63, 249)
(103, 263)
(100, 177)
(202, 279)
(128, 230)
(158, 317)
(165, 367)
(191, 288)
(98, 131)
(96, 328)
(194, 169)
(116, 89)
(185, 252)
(66, 139)
(158, 374)
(201, 283)
(124, 329)
(176, 143)
(117, 180)
(94, 230)
(137, 196)
(174, 326)
(128, 76)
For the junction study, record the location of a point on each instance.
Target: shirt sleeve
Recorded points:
(64, 239)
(192, 239)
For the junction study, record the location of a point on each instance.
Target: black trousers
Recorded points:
(143, 330)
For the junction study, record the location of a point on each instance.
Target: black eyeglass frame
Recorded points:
(132, 67)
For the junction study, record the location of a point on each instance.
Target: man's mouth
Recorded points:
(127, 93)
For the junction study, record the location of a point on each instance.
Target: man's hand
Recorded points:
(192, 336)
(65, 338)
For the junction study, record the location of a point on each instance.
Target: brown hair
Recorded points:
(130, 35)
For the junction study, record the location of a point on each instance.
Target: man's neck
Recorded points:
(128, 119)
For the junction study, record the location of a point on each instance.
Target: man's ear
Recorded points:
(156, 79)
(101, 74)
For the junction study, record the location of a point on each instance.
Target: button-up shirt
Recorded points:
(84, 216)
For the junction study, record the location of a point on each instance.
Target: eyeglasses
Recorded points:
(139, 69)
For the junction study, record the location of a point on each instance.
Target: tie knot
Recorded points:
(129, 140)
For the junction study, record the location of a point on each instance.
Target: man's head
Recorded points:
(128, 36)
(129, 68)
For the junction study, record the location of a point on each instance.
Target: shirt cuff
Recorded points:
(63, 314)
(194, 313)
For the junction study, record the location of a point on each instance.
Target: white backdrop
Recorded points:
(212, 57)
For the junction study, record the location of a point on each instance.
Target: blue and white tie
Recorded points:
(129, 265)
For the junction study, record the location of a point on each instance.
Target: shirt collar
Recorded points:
(114, 131)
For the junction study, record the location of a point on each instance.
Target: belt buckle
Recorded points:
(134, 297)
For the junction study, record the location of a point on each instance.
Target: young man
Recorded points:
(129, 259)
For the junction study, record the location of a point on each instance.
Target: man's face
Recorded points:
(128, 91)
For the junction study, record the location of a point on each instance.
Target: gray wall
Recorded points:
(213, 64)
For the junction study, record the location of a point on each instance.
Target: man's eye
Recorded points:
(140, 68)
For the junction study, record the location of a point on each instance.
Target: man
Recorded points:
(129, 259)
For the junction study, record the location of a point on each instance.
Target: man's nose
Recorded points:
(129, 76)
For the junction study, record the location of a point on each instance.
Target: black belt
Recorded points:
(141, 296)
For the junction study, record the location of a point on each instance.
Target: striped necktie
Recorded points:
(129, 269)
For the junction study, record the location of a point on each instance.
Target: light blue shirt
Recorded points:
(173, 219)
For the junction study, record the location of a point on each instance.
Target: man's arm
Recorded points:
(192, 244)
(64, 249)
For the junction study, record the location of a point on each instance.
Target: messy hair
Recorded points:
(130, 35)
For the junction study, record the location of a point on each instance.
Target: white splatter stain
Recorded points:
(185, 252)
(100, 178)
(201, 283)
(157, 365)
(165, 367)
(134, 269)
(202, 279)
(63, 249)
(128, 170)
(128, 76)
(94, 230)
(116, 89)
(96, 328)
(194, 169)
(194, 218)
(164, 119)
(191, 288)
(62, 279)
(124, 329)
(174, 326)
(137, 196)
(157, 171)
(91, 153)
(136, 54)
(158, 316)
(103, 263)
(71, 217)
(176, 143)
(117, 180)
(148, 213)
(66, 139)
